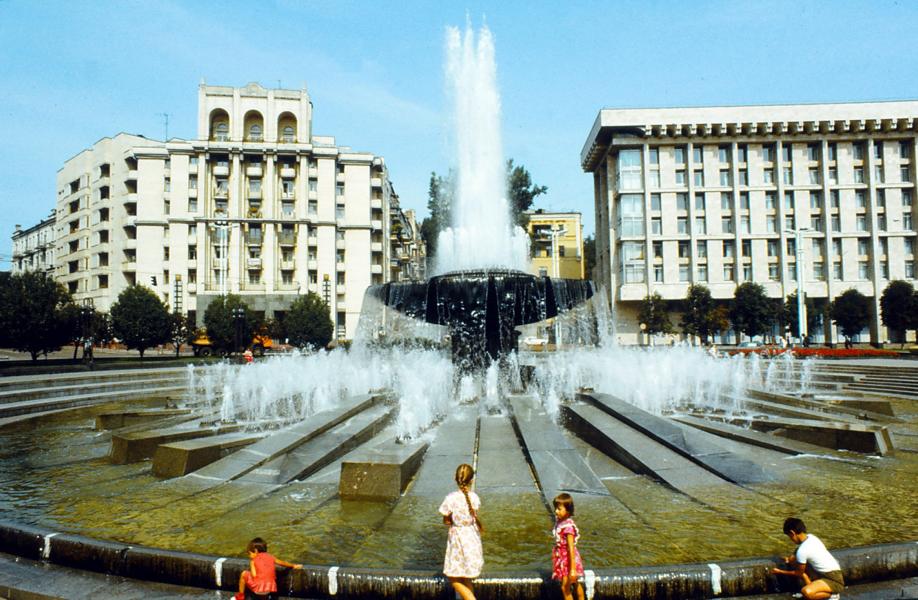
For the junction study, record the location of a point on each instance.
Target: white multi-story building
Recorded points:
(716, 196)
(33, 248)
(257, 206)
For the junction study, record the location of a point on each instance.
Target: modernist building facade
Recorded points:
(718, 195)
(33, 248)
(257, 206)
(556, 244)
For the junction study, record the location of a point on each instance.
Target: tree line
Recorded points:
(38, 315)
(751, 312)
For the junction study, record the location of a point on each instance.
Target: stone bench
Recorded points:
(134, 447)
(835, 435)
(381, 472)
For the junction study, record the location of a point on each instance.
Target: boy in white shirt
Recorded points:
(812, 558)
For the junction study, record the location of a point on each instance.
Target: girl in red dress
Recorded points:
(565, 558)
(260, 581)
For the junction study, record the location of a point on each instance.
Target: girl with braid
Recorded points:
(464, 557)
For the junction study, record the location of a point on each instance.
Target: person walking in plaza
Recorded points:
(260, 580)
(464, 558)
(567, 566)
(812, 563)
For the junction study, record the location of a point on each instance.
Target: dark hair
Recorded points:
(464, 475)
(794, 524)
(565, 500)
(257, 545)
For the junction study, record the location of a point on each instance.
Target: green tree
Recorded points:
(221, 323)
(896, 307)
(697, 309)
(33, 317)
(813, 314)
(178, 331)
(589, 255)
(440, 193)
(751, 311)
(654, 315)
(140, 319)
(307, 323)
(851, 312)
(521, 192)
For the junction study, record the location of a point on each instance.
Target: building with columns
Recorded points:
(720, 195)
(257, 205)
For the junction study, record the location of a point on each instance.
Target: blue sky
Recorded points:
(73, 72)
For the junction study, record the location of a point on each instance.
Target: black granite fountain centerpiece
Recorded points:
(482, 308)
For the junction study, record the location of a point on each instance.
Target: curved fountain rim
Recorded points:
(743, 576)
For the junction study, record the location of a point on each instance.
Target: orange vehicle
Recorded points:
(202, 345)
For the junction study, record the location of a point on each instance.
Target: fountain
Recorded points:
(337, 458)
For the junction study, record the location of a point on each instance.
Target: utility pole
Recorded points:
(799, 236)
(165, 117)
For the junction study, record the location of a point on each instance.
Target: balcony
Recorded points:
(340, 266)
(287, 172)
(376, 203)
(253, 170)
(286, 239)
(312, 241)
(287, 265)
(192, 192)
(314, 172)
(192, 263)
(339, 177)
(312, 264)
(339, 244)
(313, 287)
(288, 196)
(375, 269)
(219, 263)
(253, 263)
(221, 170)
(254, 194)
(191, 288)
(130, 244)
(253, 240)
(130, 198)
(376, 225)
(339, 289)
(129, 265)
(221, 193)
(375, 182)
(131, 175)
(376, 247)
(287, 213)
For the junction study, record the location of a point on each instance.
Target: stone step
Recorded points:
(9, 396)
(502, 467)
(811, 406)
(276, 444)
(750, 436)
(381, 472)
(117, 420)
(134, 447)
(837, 436)
(637, 452)
(29, 406)
(51, 379)
(309, 457)
(864, 406)
(557, 466)
(453, 445)
(697, 446)
(180, 458)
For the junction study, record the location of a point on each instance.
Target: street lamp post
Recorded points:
(238, 319)
(555, 232)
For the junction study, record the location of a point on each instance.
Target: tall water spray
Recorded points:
(482, 234)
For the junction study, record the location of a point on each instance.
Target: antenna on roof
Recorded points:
(165, 117)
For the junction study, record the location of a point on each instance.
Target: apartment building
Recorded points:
(33, 248)
(721, 195)
(556, 244)
(257, 205)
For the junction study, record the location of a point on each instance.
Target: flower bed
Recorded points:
(819, 352)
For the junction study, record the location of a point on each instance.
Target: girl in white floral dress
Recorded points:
(464, 559)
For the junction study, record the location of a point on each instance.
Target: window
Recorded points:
(744, 200)
(771, 201)
(658, 273)
(904, 175)
(910, 269)
(772, 248)
(788, 200)
(679, 154)
(858, 150)
(702, 272)
(723, 154)
(313, 207)
(862, 248)
(863, 269)
(629, 170)
(728, 272)
(683, 273)
(192, 252)
(741, 152)
(861, 223)
(745, 226)
(680, 178)
(773, 271)
(788, 176)
(791, 247)
(768, 153)
(789, 222)
(858, 174)
(654, 154)
(836, 248)
(906, 221)
(814, 175)
(910, 247)
(313, 185)
(787, 153)
(747, 248)
(881, 199)
(837, 272)
(878, 150)
(339, 189)
(633, 274)
(812, 152)
(682, 225)
(836, 223)
(815, 201)
(747, 272)
(682, 201)
(684, 250)
(699, 201)
(655, 178)
(819, 271)
(833, 175)
(655, 202)
(697, 155)
(658, 249)
(699, 225)
(726, 225)
(631, 212)
(167, 184)
(632, 251)
(339, 211)
(768, 175)
(221, 131)
(860, 199)
(816, 248)
(729, 250)
(833, 151)
(905, 149)
(724, 177)
(701, 249)
(834, 200)
(255, 277)
(726, 201)
(878, 174)
(255, 132)
(656, 226)
(771, 223)
(699, 178)
(288, 134)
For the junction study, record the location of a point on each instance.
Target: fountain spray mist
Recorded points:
(482, 233)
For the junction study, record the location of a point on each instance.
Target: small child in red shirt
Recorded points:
(260, 581)
(567, 566)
